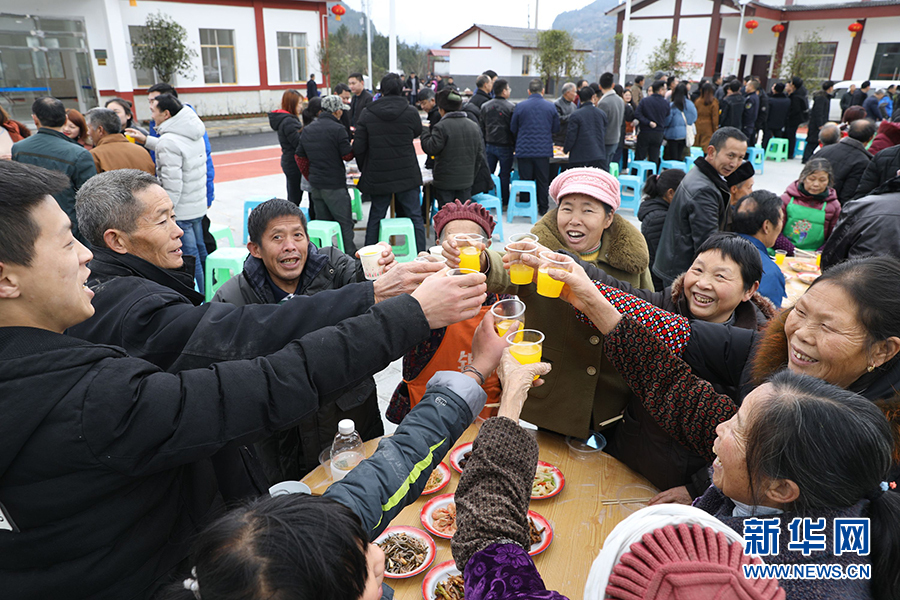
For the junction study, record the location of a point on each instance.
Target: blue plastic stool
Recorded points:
(305, 212)
(689, 162)
(221, 233)
(321, 233)
(800, 147)
(757, 158)
(673, 164)
(522, 209)
(634, 183)
(222, 265)
(496, 180)
(697, 152)
(249, 205)
(643, 168)
(492, 203)
(630, 155)
(400, 226)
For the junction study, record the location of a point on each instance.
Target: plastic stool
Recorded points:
(697, 152)
(221, 233)
(405, 252)
(777, 149)
(800, 146)
(634, 183)
(305, 212)
(757, 158)
(492, 203)
(643, 168)
(630, 155)
(249, 205)
(515, 208)
(355, 205)
(496, 180)
(222, 265)
(614, 169)
(321, 233)
(672, 164)
(689, 162)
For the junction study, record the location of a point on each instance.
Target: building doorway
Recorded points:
(886, 64)
(759, 68)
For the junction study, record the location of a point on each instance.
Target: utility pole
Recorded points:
(536, 2)
(737, 47)
(369, 41)
(392, 39)
(626, 31)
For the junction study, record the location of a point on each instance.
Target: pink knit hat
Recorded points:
(596, 183)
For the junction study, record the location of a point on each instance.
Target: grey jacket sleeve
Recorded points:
(384, 484)
(704, 217)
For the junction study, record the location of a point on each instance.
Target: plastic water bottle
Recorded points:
(346, 450)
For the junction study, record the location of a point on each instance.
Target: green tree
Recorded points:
(669, 57)
(346, 53)
(161, 46)
(556, 56)
(632, 61)
(806, 60)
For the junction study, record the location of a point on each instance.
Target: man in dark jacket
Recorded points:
(849, 158)
(868, 226)
(779, 104)
(818, 116)
(612, 105)
(860, 95)
(51, 149)
(321, 152)
(751, 110)
(110, 459)
(483, 91)
(499, 141)
(797, 113)
(457, 147)
(312, 90)
(871, 105)
(533, 123)
(585, 134)
(847, 98)
(361, 97)
(565, 106)
(383, 145)
(411, 87)
(699, 207)
(732, 106)
(884, 167)
(762, 118)
(651, 113)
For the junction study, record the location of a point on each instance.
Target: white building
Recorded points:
(710, 29)
(248, 52)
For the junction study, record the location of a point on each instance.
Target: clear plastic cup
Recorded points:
(506, 313)
(431, 258)
(526, 346)
(546, 285)
(469, 246)
(369, 256)
(779, 257)
(522, 237)
(457, 272)
(519, 272)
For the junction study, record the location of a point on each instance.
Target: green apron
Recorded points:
(805, 226)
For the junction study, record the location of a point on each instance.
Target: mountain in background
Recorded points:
(593, 29)
(354, 21)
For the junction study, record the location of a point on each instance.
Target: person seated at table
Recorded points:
(768, 452)
(811, 206)
(108, 456)
(448, 348)
(758, 218)
(301, 546)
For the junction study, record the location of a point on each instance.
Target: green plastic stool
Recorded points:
(614, 170)
(321, 233)
(221, 233)
(222, 265)
(405, 252)
(356, 205)
(777, 149)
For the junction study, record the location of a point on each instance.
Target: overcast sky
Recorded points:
(434, 23)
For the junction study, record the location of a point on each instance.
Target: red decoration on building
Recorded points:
(338, 10)
(855, 28)
(751, 25)
(777, 28)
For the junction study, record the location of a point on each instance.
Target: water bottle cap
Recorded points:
(346, 426)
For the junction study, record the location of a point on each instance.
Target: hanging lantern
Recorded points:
(751, 25)
(338, 10)
(132, 2)
(777, 28)
(855, 28)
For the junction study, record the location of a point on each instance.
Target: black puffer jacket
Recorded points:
(818, 115)
(324, 142)
(732, 111)
(585, 132)
(480, 98)
(882, 169)
(652, 215)
(288, 127)
(495, 118)
(779, 104)
(458, 150)
(383, 145)
(799, 110)
(868, 226)
(849, 160)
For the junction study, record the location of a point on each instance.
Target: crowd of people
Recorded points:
(145, 426)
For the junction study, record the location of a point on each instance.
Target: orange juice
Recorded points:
(520, 273)
(546, 285)
(470, 258)
(526, 354)
(503, 327)
(129, 138)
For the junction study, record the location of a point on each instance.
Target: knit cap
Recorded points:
(470, 211)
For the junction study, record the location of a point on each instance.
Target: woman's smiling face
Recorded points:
(581, 221)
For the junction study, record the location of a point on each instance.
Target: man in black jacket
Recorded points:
(652, 113)
(106, 455)
(779, 104)
(849, 158)
(361, 97)
(411, 87)
(818, 116)
(847, 98)
(860, 95)
(797, 113)
(499, 140)
(483, 93)
(884, 167)
(322, 150)
(585, 134)
(732, 106)
(751, 109)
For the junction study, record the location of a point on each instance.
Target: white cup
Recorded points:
(289, 487)
(369, 256)
(436, 250)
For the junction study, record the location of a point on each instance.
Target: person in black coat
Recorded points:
(652, 113)
(286, 122)
(860, 95)
(656, 197)
(797, 113)
(483, 93)
(312, 90)
(847, 98)
(818, 116)
(883, 168)
(779, 104)
(361, 97)
(499, 141)
(585, 134)
(383, 145)
(849, 158)
(732, 106)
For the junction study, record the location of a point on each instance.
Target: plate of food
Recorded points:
(802, 267)
(459, 456)
(443, 582)
(439, 479)
(548, 481)
(407, 551)
(808, 278)
(541, 533)
(439, 516)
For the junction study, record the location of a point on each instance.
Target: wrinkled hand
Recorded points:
(447, 300)
(487, 346)
(677, 495)
(516, 379)
(139, 137)
(403, 278)
(451, 253)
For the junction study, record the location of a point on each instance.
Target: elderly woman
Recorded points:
(797, 446)
(811, 206)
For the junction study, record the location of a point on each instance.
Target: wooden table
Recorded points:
(580, 522)
(793, 286)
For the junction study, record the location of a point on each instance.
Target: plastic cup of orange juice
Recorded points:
(506, 314)
(546, 285)
(526, 346)
(469, 246)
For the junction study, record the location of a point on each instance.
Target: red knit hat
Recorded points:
(470, 211)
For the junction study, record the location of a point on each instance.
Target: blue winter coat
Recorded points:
(534, 122)
(675, 129)
(210, 169)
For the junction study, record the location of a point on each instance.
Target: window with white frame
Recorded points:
(217, 51)
(143, 77)
(822, 56)
(292, 57)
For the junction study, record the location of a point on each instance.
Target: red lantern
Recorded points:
(751, 25)
(777, 28)
(338, 10)
(855, 28)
